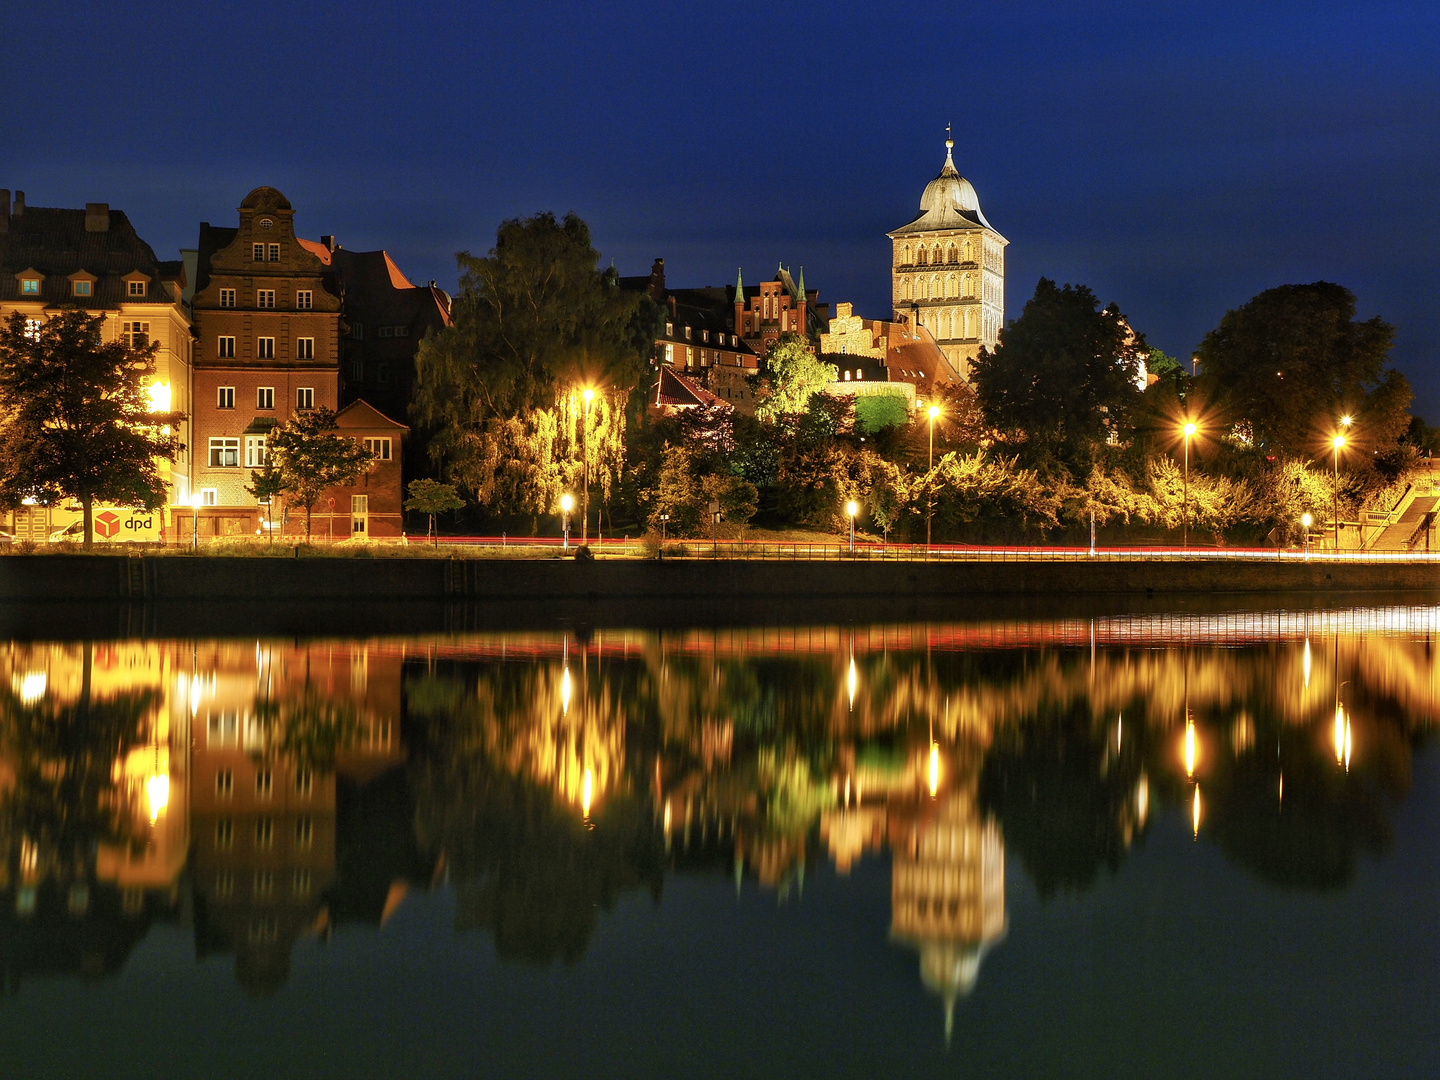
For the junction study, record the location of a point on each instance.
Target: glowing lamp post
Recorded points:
(589, 396)
(1188, 430)
(851, 509)
(196, 502)
(567, 503)
(1306, 520)
(930, 505)
(1337, 444)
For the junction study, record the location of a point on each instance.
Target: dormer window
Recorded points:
(704, 335)
(29, 286)
(135, 287)
(84, 288)
(687, 333)
(669, 329)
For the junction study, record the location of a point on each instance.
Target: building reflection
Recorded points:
(264, 794)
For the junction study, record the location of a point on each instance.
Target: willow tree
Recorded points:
(499, 391)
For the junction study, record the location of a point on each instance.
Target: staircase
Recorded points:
(1403, 532)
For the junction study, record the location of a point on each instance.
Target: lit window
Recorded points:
(669, 329)
(137, 288)
(224, 783)
(305, 397)
(225, 397)
(265, 398)
(380, 448)
(265, 348)
(82, 288)
(227, 348)
(224, 729)
(227, 297)
(208, 496)
(305, 348)
(224, 453)
(687, 333)
(670, 354)
(255, 455)
(264, 782)
(304, 300)
(136, 334)
(30, 286)
(32, 329)
(265, 298)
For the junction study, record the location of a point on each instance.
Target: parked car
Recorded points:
(74, 533)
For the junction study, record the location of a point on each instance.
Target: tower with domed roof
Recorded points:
(948, 268)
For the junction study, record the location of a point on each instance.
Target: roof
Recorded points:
(265, 198)
(378, 294)
(676, 390)
(361, 414)
(55, 242)
(948, 202)
(319, 250)
(213, 238)
(914, 350)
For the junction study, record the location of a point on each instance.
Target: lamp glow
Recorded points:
(159, 397)
(32, 687)
(852, 508)
(589, 395)
(1346, 420)
(1339, 441)
(934, 768)
(1195, 814)
(852, 681)
(157, 792)
(587, 788)
(1190, 749)
(1190, 428)
(567, 502)
(565, 692)
(934, 411)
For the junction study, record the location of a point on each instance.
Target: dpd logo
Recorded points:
(107, 524)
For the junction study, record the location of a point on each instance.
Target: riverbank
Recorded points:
(102, 578)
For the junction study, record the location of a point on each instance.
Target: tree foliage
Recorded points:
(1063, 376)
(431, 497)
(77, 417)
(1285, 366)
(310, 456)
(793, 374)
(534, 322)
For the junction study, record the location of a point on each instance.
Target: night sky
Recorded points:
(1177, 158)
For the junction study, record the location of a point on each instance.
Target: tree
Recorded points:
(738, 498)
(535, 320)
(875, 412)
(889, 492)
(1288, 364)
(266, 487)
(793, 374)
(310, 457)
(1064, 373)
(77, 420)
(432, 497)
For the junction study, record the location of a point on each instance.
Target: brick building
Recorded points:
(54, 259)
(867, 352)
(267, 308)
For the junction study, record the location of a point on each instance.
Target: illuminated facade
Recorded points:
(948, 269)
(54, 259)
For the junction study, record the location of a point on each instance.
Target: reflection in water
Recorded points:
(264, 792)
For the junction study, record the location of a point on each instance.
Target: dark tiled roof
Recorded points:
(213, 238)
(675, 389)
(55, 242)
(378, 294)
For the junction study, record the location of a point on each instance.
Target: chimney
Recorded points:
(97, 217)
(657, 280)
(4, 211)
(19, 204)
(329, 242)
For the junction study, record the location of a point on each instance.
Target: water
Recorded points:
(1187, 845)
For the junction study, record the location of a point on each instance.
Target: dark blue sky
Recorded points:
(1177, 158)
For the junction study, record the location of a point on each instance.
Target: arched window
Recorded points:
(952, 255)
(905, 259)
(969, 252)
(938, 258)
(950, 286)
(920, 257)
(950, 326)
(968, 323)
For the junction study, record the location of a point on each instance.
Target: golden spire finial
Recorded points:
(949, 142)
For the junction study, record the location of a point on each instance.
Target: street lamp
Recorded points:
(567, 503)
(930, 504)
(1306, 520)
(197, 500)
(851, 509)
(1337, 443)
(589, 396)
(1189, 430)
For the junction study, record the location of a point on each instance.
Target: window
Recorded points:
(305, 397)
(136, 334)
(300, 883)
(32, 329)
(265, 223)
(226, 348)
(264, 783)
(258, 252)
(264, 931)
(208, 496)
(265, 398)
(669, 329)
(304, 300)
(224, 885)
(224, 453)
(265, 298)
(264, 832)
(265, 348)
(224, 833)
(225, 397)
(704, 335)
(303, 832)
(227, 297)
(264, 884)
(357, 371)
(670, 354)
(255, 455)
(304, 782)
(224, 783)
(687, 333)
(305, 348)
(136, 288)
(402, 331)
(384, 331)
(274, 252)
(82, 288)
(357, 331)
(379, 447)
(30, 286)
(224, 729)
